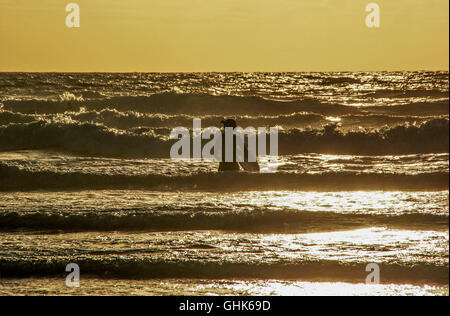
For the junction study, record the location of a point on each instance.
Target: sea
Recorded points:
(357, 204)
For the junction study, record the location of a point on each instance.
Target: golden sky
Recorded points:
(223, 35)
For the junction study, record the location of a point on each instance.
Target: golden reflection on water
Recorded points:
(289, 288)
(92, 286)
(373, 202)
(375, 244)
(333, 119)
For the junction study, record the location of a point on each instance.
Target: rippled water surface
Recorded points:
(361, 178)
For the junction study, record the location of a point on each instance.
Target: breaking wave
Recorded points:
(257, 220)
(130, 119)
(17, 178)
(98, 140)
(318, 270)
(205, 104)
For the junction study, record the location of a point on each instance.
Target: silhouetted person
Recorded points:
(229, 166)
(234, 165)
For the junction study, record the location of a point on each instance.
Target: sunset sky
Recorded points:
(223, 35)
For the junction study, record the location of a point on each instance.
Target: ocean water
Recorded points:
(362, 177)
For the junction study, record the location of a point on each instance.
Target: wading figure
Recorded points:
(228, 166)
(234, 165)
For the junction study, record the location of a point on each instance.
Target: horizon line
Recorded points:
(214, 71)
